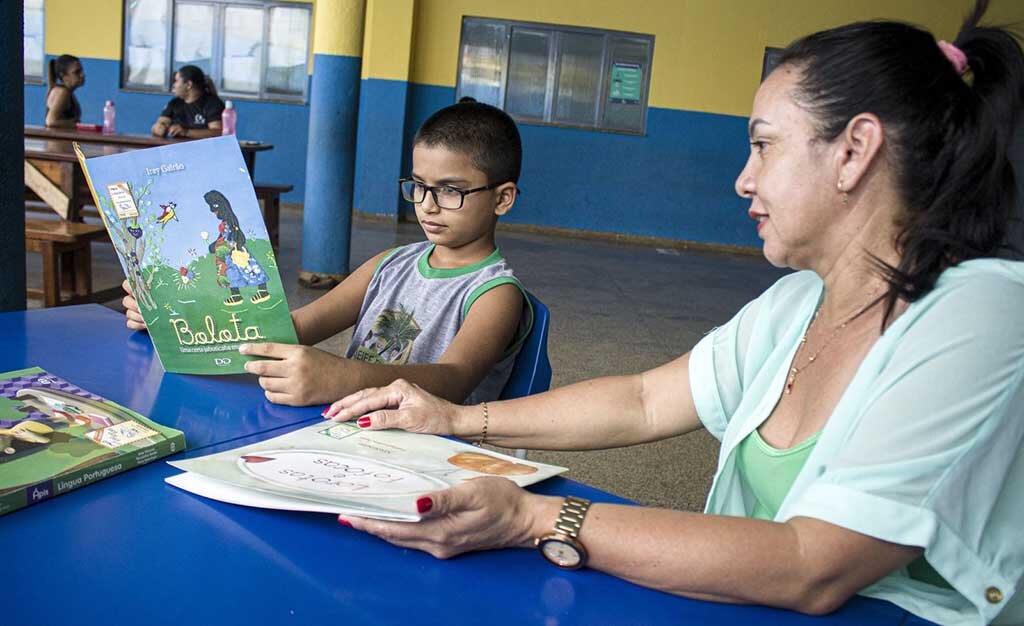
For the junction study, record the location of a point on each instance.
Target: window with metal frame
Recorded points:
(35, 56)
(252, 49)
(557, 75)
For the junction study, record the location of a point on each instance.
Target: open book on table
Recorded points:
(340, 468)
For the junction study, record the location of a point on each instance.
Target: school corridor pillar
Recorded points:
(383, 95)
(331, 150)
(12, 157)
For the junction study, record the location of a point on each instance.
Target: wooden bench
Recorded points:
(270, 202)
(67, 261)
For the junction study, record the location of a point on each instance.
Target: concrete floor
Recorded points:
(616, 308)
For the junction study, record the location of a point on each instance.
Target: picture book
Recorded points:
(187, 228)
(56, 437)
(340, 468)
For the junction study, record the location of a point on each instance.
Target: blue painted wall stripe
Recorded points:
(281, 124)
(676, 182)
(330, 164)
(379, 155)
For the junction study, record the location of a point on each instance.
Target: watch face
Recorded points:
(560, 553)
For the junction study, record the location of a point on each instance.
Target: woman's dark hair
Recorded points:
(220, 207)
(947, 135)
(486, 134)
(195, 75)
(58, 67)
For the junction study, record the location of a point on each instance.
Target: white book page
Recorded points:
(224, 492)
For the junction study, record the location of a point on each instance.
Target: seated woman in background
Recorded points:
(64, 76)
(195, 109)
(870, 406)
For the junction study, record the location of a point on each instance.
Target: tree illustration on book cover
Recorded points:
(187, 228)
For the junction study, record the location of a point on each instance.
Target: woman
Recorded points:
(195, 109)
(869, 406)
(64, 76)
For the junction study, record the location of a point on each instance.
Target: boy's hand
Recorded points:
(400, 405)
(135, 320)
(294, 375)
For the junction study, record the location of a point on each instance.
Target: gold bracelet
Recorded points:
(483, 433)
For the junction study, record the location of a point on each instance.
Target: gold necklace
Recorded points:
(794, 370)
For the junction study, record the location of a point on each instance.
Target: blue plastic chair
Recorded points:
(531, 372)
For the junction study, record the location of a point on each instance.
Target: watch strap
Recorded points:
(570, 517)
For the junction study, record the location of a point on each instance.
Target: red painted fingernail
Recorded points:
(424, 504)
(363, 422)
(324, 412)
(345, 522)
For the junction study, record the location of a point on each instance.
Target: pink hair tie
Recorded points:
(955, 55)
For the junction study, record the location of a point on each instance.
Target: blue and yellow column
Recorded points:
(12, 159)
(331, 150)
(387, 49)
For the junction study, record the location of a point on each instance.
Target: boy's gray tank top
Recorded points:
(412, 312)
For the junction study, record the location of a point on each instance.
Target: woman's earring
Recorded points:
(845, 196)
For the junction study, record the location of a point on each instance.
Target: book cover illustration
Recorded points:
(341, 468)
(190, 236)
(56, 437)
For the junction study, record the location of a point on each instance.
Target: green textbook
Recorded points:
(190, 236)
(56, 437)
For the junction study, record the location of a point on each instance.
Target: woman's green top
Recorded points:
(769, 473)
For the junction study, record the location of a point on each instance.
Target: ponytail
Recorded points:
(969, 202)
(59, 66)
(947, 134)
(210, 87)
(196, 76)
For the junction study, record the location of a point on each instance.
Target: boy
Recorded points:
(446, 314)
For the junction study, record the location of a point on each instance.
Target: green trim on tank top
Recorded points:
(423, 264)
(491, 284)
(384, 259)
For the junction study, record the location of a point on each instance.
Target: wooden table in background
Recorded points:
(249, 148)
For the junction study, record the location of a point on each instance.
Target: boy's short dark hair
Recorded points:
(486, 134)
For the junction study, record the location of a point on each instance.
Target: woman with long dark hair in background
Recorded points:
(64, 76)
(195, 109)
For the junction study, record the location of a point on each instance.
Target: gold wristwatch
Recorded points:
(563, 547)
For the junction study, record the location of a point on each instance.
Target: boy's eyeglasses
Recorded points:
(445, 197)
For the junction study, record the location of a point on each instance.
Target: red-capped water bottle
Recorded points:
(228, 119)
(108, 117)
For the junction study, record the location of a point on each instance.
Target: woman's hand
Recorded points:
(132, 312)
(401, 405)
(480, 514)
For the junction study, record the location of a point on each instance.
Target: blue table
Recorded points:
(90, 346)
(132, 549)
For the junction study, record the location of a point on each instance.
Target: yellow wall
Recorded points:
(387, 40)
(94, 28)
(338, 27)
(707, 53)
(85, 29)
